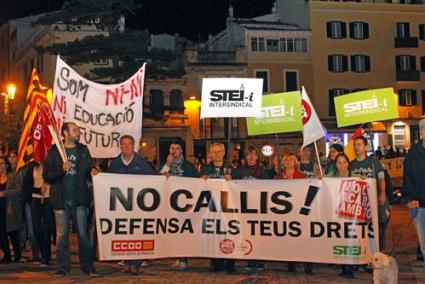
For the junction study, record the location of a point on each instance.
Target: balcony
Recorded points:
(207, 57)
(412, 75)
(406, 42)
(216, 57)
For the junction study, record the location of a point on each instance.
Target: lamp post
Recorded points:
(9, 97)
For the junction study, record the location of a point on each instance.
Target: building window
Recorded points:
(360, 63)
(272, 44)
(422, 31)
(332, 94)
(423, 63)
(291, 80)
(359, 30)
(254, 44)
(176, 100)
(337, 63)
(407, 97)
(304, 45)
(282, 45)
(290, 45)
(261, 46)
(405, 63)
(263, 74)
(399, 134)
(156, 103)
(300, 45)
(336, 30)
(403, 30)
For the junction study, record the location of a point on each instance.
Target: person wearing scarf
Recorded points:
(176, 165)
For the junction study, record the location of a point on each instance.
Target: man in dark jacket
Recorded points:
(176, 165)
(414, 184)
(217, 169)
(129, 162)
(71, 197)
(252, 170)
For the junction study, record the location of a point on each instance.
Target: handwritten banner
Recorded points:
(103, 113)
(144, 217)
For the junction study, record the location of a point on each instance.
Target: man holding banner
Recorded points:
(71, 198)
(217, 169)
(176, 165)
(129, 162)
(368, 167)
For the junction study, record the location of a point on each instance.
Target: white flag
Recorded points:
(313, 128)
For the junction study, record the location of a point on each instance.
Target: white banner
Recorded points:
(103, 112)
(231, 97)
(325, 221)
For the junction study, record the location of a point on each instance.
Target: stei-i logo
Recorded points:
(366, 106)
(231, 98)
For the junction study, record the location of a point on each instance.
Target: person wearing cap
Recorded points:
(414, 184)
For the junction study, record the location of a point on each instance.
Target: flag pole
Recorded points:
(279, 166)
(318, 159)
(229, 137)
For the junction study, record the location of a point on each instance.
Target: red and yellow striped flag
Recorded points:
(35, 138)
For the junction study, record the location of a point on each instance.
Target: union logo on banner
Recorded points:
(354, 201)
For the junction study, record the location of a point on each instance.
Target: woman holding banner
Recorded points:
(291, 170)
(342, 169)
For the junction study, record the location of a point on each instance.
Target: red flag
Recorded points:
(36, 138)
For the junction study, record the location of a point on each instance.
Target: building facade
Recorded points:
(360, 45)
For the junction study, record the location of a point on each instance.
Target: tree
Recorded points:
(127, 49)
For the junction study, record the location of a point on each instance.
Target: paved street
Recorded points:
(160, 271)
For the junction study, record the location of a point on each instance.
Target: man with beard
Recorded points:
(71, 197)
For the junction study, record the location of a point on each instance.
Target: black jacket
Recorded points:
(54, 174)
(413, 174)
(256, 171)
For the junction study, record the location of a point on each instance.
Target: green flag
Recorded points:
(279, 113)
(366, 106)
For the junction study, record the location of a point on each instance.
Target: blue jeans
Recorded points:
(30, 229)
(420, 228)
(79, 215)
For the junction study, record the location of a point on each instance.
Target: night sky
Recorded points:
(194, 19)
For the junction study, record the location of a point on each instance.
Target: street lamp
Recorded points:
(11, 90)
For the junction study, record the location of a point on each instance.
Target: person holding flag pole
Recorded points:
(70, 197)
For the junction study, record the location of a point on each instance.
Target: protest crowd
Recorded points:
(38, 201)
(82, 177)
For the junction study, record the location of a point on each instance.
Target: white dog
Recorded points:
(385, 269)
